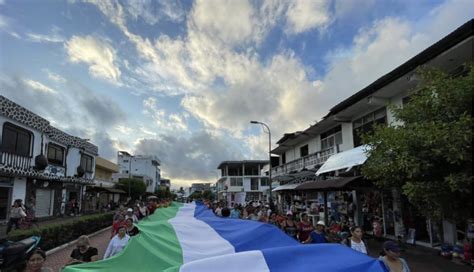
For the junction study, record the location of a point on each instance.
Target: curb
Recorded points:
(56, 249)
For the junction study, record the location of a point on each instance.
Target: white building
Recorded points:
(40, 164)
(140, 166)
(303, 153)
(242, 181)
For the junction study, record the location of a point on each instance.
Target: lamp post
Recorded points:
(269, 154)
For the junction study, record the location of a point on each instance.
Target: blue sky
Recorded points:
(182, 79)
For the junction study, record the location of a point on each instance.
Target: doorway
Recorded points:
(5, 200)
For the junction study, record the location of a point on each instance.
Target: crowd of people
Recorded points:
(298, 226)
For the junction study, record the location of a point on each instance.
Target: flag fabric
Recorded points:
(189, 237)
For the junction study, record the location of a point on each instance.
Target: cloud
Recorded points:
(52, 38)
(189, 158)
(54, 77)
(165, 122)
(38, 86)
(154, 11)
(304, 15)
(98, 54)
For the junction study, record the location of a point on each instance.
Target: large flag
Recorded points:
(189, 237)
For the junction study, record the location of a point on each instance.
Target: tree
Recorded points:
(195, 195)
(137, 186)
(429, 156)
(207, 195)
(163, 192)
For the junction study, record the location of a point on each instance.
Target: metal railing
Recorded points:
(15, 160)
(308, 161)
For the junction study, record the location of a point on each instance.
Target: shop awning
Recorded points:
(286, 187)
(115, 191)
(337, 184)
(343, 160)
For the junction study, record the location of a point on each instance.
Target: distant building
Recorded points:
(242, 181)
(139, 166)
(199, 187)
(165, 183)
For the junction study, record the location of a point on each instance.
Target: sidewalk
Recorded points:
(421, 259)
(57, 260)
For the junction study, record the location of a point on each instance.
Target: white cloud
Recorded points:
(98, 54)
(164, 121)
(304, 15)
(154, 11)
(52, 38)
(38, 86)
(54, 77)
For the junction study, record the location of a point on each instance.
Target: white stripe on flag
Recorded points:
(198, 240)
(248, 261)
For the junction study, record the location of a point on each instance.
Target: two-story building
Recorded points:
(242, 181)
(332, 147)
(146, 167)
(41, 165)
(103, 190)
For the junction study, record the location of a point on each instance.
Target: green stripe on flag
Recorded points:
(156, 248)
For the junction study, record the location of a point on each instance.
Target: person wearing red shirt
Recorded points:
(304, 228)
(117, 224)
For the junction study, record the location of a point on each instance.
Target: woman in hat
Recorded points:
(318, 236)
(392, 260)
(289, 225)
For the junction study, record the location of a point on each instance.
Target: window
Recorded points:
(125, 160)
(283, 158)
(366, 123)
(236, 182)
(251, 170)
(16, 140)
(235, 171)
(304, 151)
(86, 163)
(254, 184)
(55, 154)
(331, 138)
(264, 182)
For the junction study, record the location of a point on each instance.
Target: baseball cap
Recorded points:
(130, 210)
(289, 213)
(392, 246)
(320, 223)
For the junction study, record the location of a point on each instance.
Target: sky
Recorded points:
(182, 79)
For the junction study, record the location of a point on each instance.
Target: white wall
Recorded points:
(19, 189)
(347, 137)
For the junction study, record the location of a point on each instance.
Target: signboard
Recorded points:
(55, 170)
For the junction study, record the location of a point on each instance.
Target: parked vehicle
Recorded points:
(13, 254)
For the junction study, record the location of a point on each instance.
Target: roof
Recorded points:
(106, 165)
(455, 37)
(285, 187)
(337, 184)
(246, 162)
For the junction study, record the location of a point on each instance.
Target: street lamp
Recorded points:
(269, 154)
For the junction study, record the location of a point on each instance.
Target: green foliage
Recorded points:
(137, 186)
(163, 193)
(429, 155)
(54, 235)
(207, 195)
(196, 195)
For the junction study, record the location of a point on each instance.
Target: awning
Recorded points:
(115, 191)
(346, 159)
(286, 187)
(337, 184)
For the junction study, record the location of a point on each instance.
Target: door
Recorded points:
(5, 201)
(43, 202)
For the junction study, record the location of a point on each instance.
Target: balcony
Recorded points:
(308, 161)
(14, 160)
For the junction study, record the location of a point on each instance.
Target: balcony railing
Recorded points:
(14, 160)
(308, 161)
